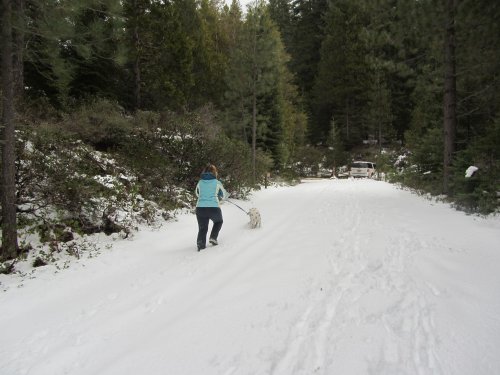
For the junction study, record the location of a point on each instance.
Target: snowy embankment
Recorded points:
(345, 277)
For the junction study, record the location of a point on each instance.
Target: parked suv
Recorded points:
(362, 169)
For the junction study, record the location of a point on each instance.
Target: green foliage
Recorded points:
(47, 73)
(95, 52)
(100, 123)
(178, 53)
(61, 180)
(73, 49)
(479, 193)
(192, 70)
(423, 169)
(308, 161)
(294, 121)
(211, 56)
(378, 115)
(260, 89)
(335, 154)
(478, 64)
(163, 56)
(234, 162)
(304, 37)
(102, 170)
(174, 148)
(342, 81)
(385, 162)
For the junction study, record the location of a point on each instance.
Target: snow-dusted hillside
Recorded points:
(345, 277)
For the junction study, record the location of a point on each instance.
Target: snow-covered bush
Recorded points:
(101, 170)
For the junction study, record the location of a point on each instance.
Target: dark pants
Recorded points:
(204, 215)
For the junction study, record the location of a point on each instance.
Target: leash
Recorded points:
(227, 200)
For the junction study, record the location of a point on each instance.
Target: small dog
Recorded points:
(255, 220)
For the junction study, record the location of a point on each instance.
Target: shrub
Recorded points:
(307, 161)
(100, 170)
(478, 193)
(422, 169)
(100, 123)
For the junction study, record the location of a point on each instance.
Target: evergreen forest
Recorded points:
(111, 108)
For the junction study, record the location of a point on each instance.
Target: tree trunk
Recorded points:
(137, 72)
(18, 49)
(137, 67)
(8, 187)
(347, 118)
(380, 116)
(254, 130)
(450, 94)
(254, 104)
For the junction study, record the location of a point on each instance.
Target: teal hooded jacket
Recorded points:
(209, 191)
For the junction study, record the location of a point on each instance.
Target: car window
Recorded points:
(367, 165)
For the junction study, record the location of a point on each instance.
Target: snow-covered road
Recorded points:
(345, 277)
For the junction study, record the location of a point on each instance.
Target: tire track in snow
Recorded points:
(365, 290)
(313, 333)
(338, 281)
(410, 342)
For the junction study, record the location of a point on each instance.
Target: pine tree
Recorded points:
(238, 75)
(96, 53)
(8, 186)
(73, 49)
(294, 118)
(135, 12)
(18, 35)
(256, 81)
(281, 13)
(304, 43)
(50, 27)
(336, 150)
(342, 83)
(450, 94)
(168, 54)
(379, 113)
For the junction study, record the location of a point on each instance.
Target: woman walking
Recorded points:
(209, 191)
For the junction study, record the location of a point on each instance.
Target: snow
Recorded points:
(344, 277)
(470, 171)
